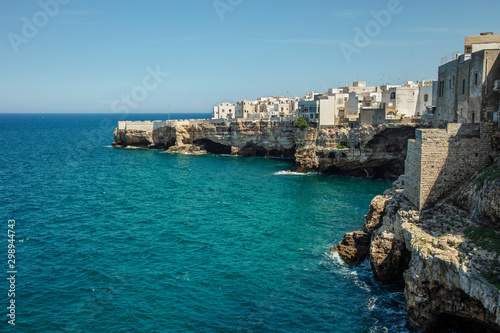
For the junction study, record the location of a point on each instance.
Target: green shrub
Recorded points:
(341, 146)
(485, 238)
(301, 123)
(488, 174)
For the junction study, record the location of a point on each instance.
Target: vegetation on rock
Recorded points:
(301, 123)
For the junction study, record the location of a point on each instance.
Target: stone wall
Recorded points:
(413, 169)
(440, 160)
(371, 116)
(147, 126)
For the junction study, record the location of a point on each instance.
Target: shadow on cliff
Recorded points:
(383, 156)
(468, 151)
(446, 164)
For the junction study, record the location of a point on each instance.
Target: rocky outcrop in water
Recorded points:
(133, 138)
(363, 151)
(355, 246)
(448, 257)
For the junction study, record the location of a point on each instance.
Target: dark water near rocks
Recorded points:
(131, 240)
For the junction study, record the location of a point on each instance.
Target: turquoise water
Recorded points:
(133, 240)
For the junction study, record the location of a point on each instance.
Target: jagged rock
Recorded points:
(389, 257)
(354, 247)
(373, 220)
(187, 149)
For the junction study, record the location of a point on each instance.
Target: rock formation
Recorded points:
(377, 151)
(133, 138)
(448, 256)
(355, 246)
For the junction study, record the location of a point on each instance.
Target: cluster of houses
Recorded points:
(359, 102)
(463, 93)
(262, 108)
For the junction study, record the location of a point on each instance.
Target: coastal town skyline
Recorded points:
(87, 56)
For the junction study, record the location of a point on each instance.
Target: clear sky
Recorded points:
(89, 55)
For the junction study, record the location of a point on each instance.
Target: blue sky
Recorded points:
(88, 55)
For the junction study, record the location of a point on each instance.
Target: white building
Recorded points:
(409, 100)
(427, 96)
(321, 110)
(267, 108)
(244, 109)
(224, 111)
(352, 106)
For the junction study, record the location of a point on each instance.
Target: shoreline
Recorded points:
(375, 151)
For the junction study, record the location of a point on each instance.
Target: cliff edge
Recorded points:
(378, 151)
(447, 257)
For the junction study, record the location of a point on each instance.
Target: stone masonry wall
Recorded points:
(413, 169)
(439, 161)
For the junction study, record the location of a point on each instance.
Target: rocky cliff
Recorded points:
(377, 151)
(133, 138)
(259, 138)
(447, 256)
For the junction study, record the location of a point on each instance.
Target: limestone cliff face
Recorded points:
(481, 197)
(446, 280)
(365, 150)
(133, 138)
(448, 257)
(259, 138)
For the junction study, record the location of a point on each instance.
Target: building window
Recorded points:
(393, 95)
(475, 79)
(463, 87)
(426, 98)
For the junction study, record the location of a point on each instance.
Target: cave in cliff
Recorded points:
(213, 147)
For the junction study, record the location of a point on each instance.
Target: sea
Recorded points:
(104, 239)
